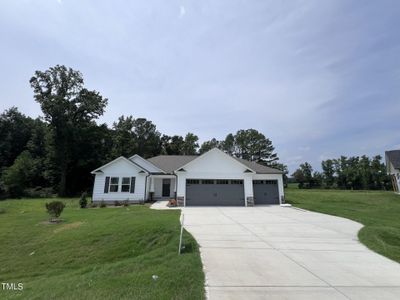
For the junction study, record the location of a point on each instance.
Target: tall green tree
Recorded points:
(328, 172)
(208, 145)
(190, 144)
(228, 145)
(66, 105)
(253, 145)
(15, 132)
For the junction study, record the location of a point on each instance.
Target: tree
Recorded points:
(190, 144)
(147, 138)
(15, 132)
(328, 172)
(228, 145)
(18, 177)
(66, 105)
(253, 145)
(208, 145)
(304, 176)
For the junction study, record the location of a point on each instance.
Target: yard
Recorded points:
(379, 211)
(98, 253)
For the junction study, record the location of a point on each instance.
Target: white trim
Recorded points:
(117, 159)
(213, 150)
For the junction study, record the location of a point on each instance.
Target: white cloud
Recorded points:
(59, 1)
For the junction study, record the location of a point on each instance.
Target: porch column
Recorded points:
(151, 184)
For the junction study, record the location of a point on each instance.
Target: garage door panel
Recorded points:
(266, 192)
(219, 193)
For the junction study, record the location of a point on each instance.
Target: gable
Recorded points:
(215, 161)
(120, 165)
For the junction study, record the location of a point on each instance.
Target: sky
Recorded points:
(319, 78)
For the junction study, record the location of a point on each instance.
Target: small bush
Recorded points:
(55, 209)
(2, 210)
(117, 203)
(103, 204)
(93, 205)
(83, 200)
(125, 203)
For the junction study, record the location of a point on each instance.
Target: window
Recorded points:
(126, 184)
(258, 181)
(236, 181)
(207, 181)
(222, 181)
(114, 184)
(270, 182)
(192, 181)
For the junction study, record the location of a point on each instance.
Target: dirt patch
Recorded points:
(68, 226)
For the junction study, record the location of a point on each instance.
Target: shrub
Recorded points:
(103, 204)
(125, 203)
(117, 203)
(55, 209)
(83, 200)
(93, 205)
(2, 210)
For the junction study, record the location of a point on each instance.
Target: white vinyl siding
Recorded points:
(120, 169)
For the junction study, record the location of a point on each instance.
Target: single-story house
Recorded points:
(392, 159)
(211, 179)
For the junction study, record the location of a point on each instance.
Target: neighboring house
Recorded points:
(211, 179)
(392, 159)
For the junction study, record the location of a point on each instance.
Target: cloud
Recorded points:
(59, 1)
(182, 11)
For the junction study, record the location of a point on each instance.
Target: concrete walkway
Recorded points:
(274, 252)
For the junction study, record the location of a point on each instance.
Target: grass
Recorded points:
(107, 253)
(378, 211)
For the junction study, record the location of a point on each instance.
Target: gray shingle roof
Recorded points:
(170, 163)
(394, 157)
(258, 168)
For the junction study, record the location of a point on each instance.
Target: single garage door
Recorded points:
(214, 192)
(266, 191)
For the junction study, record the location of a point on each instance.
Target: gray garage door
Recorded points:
(214, 192)
(266, 192)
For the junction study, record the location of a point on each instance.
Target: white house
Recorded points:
(392, 159)
(211, 179)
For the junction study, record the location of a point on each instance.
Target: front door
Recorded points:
(166, 187)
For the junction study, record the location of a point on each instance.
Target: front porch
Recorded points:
(161, 187)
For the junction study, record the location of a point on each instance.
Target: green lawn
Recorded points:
(379, 212)
(101, 253)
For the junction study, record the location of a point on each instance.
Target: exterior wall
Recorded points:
(120, 168)
(215, 165)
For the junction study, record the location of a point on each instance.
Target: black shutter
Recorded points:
(106, 184)
(132, 185)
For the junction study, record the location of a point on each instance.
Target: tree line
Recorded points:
(349, 173)
(56, 153)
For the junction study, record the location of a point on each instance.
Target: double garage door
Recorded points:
(228, 192)
(214, 192)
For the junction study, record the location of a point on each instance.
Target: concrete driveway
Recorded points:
(274, 252)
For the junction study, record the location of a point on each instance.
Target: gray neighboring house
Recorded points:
(211, 179)
(392, 159)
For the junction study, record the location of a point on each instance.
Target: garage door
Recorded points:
(266, 192)
(214, 192)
